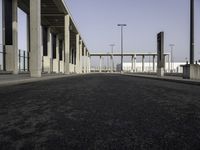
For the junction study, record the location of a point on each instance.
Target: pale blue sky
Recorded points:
(97, 21)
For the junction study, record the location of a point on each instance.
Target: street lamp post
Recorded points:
(172, 59)
(191, 31)
(112, 47)
(122, 25)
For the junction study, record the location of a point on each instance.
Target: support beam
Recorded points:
(168, 63)
(100, 64)
(154, 63)
(56, 60)
(88, 62)
(143, 63)
(35, 38)
(132, 63)
(84, 60)
(11, 40)
(135, 62)
(111, 61)
(49, 50)
(52, 15)
(67, 44)
(62, 63)
(77, 53)
(81, 57)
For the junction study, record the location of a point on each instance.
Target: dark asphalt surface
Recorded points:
(100, 112)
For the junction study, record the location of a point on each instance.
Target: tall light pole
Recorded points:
(112, 47)
(191, 31)
(122, 25)
(172, 59)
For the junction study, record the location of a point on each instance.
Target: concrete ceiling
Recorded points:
(52, 14)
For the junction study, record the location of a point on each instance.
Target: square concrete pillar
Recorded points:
(132, 63)
(48, 59)
(84, 60)
(77, 53)
(100, 64)
(35, 38)
(111, 60)
(67, 44)
(160, 54)
(62, 63)
(143, 63)
(154, 64)
(81, 57)
(12, 48)
(135, 63)
(191, 71)
(56, 64)
(88, 62)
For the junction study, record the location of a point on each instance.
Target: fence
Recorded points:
(23, 61)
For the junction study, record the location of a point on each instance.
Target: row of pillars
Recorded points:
(36, 47)
(133, 63)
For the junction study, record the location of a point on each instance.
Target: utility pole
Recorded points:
(122, 25)
(191, 31)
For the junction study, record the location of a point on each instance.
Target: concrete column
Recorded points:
(67, 44)
(12, 50)
(28, 39)
(111, 61)
(168, 63)
(132, 63)
(154, 63)
(89, 65)
(56, 64)
(135, 69)
(100, 64)
(84, 60)
(62, 63)
(49, 45)
(81, 57)
(77, 53)
(143, 63)
(35, 38)
(88, 62)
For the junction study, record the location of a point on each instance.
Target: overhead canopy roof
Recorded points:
(52, 14)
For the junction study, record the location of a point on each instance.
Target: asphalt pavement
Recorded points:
(100, 112)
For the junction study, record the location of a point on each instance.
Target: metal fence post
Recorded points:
(24, 60)
(19, 60)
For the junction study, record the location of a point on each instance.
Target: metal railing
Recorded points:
(23, 61)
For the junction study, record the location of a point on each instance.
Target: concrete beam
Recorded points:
(52, 15)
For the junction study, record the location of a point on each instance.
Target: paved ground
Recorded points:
(100, 112)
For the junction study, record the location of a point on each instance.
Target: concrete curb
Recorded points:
(31, 80)
(184, 81)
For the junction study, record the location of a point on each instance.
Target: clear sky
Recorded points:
(97, 21)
